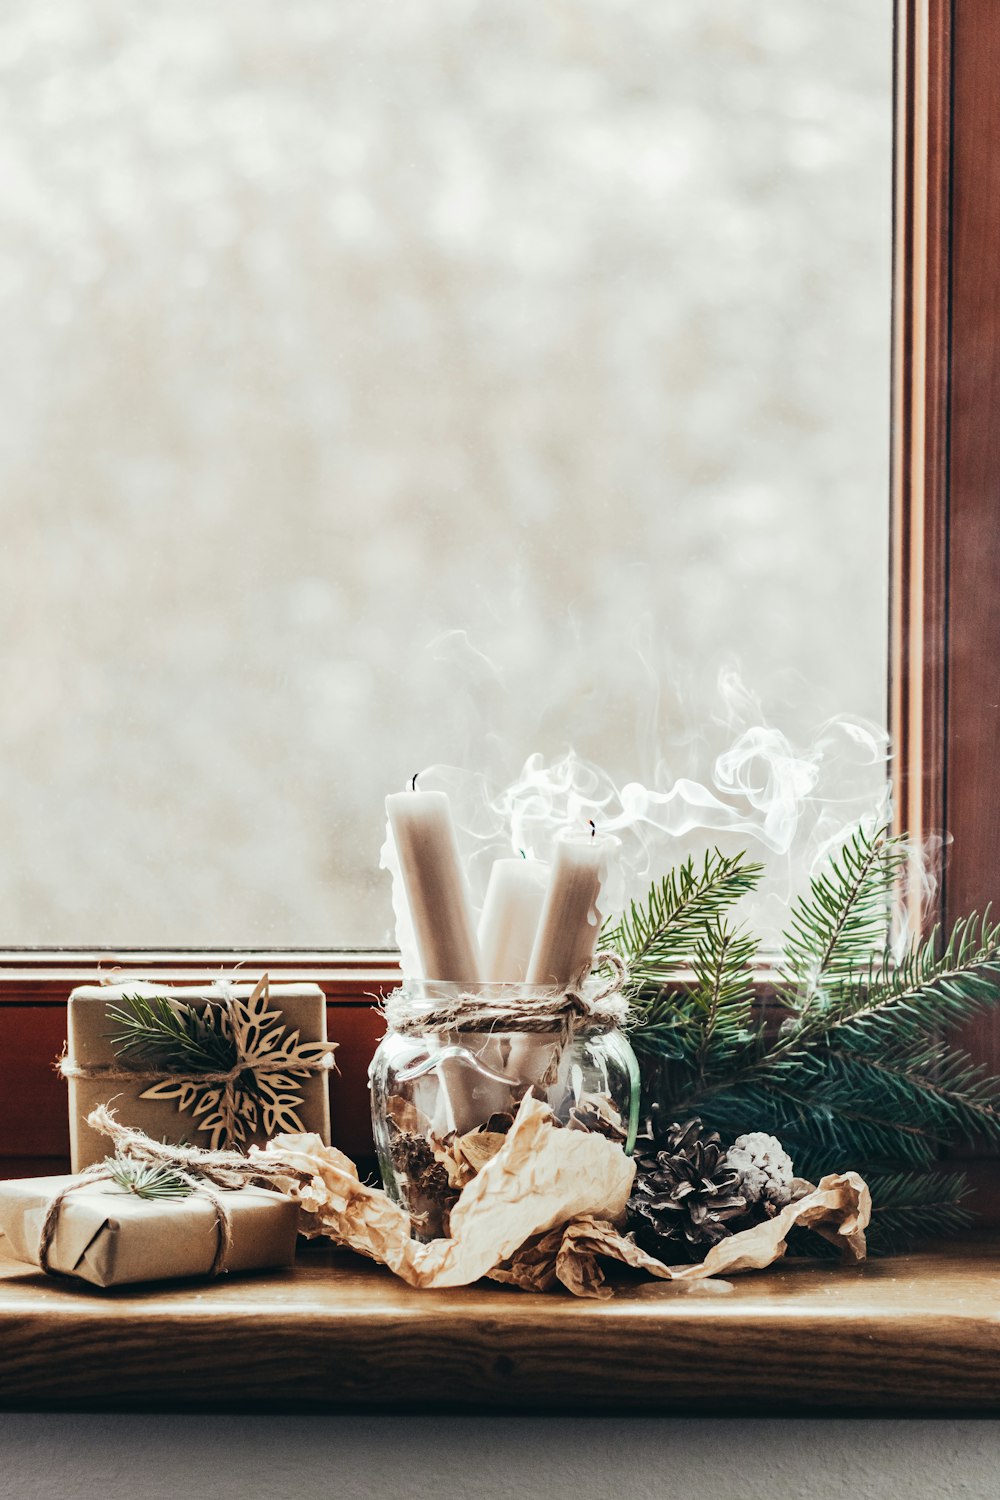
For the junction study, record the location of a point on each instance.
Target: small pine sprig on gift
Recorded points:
(176, 1037)
(145, 1181)
(856, 1074)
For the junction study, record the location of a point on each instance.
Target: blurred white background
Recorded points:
(395, 384)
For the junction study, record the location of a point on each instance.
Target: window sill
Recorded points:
(915, 1334)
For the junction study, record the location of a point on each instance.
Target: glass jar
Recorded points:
(442, 1098)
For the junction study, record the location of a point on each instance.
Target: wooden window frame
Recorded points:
(945, 546)
(945, 604)
(945, 612)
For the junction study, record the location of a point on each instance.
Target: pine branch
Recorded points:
(720, 1008)
(658, 938)
(904, 1107)
(835, 929)
(928, 988)
(709, 1024)
(856, 1075)
(156, 1032)
(906, 1209)
(938, 1084)
(826, 1124)
(895, 1008)
(842, 1109)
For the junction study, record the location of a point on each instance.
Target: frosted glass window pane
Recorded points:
(437, 382)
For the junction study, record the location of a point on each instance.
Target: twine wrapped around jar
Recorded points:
(508, 1008)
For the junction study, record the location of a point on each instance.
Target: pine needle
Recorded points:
(857, 1075)
(148, 1182)
(660, 937)
(721, 1005)
(176, 1037)
(843, 921)
(907, 1208)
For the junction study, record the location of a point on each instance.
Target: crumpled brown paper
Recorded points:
(839, 1209)
(541, 1211)
(541, 1177)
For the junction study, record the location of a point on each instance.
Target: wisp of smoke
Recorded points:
(787, 805)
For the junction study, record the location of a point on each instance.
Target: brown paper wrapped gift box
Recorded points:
(107, 1236)
(302, 1007)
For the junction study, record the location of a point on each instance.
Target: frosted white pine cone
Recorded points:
(765, 1168)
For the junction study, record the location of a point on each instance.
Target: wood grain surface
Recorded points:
(914, 1334)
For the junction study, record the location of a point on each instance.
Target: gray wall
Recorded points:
(120, 1458)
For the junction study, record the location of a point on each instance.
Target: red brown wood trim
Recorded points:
(227, 958)
(945, 707)
(43, 977)
(973, 723)
(973, 783)
(920, 429)
(945, 702)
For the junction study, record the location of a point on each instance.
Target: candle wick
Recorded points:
(413, 781)
(593, 828)
(522, 854)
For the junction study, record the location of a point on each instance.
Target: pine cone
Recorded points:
(423, 1184)
(685, 1195)
(595, 1113)
(764, 1167)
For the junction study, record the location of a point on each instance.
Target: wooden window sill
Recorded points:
(914, 1334)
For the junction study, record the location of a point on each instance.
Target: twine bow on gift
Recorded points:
(269, 1064)
(202, 1171)
(564, 1012)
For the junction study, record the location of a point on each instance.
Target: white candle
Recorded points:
(432, 876)
(571, 920)
(511, 911)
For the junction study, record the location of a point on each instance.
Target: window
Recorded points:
(387, 387)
